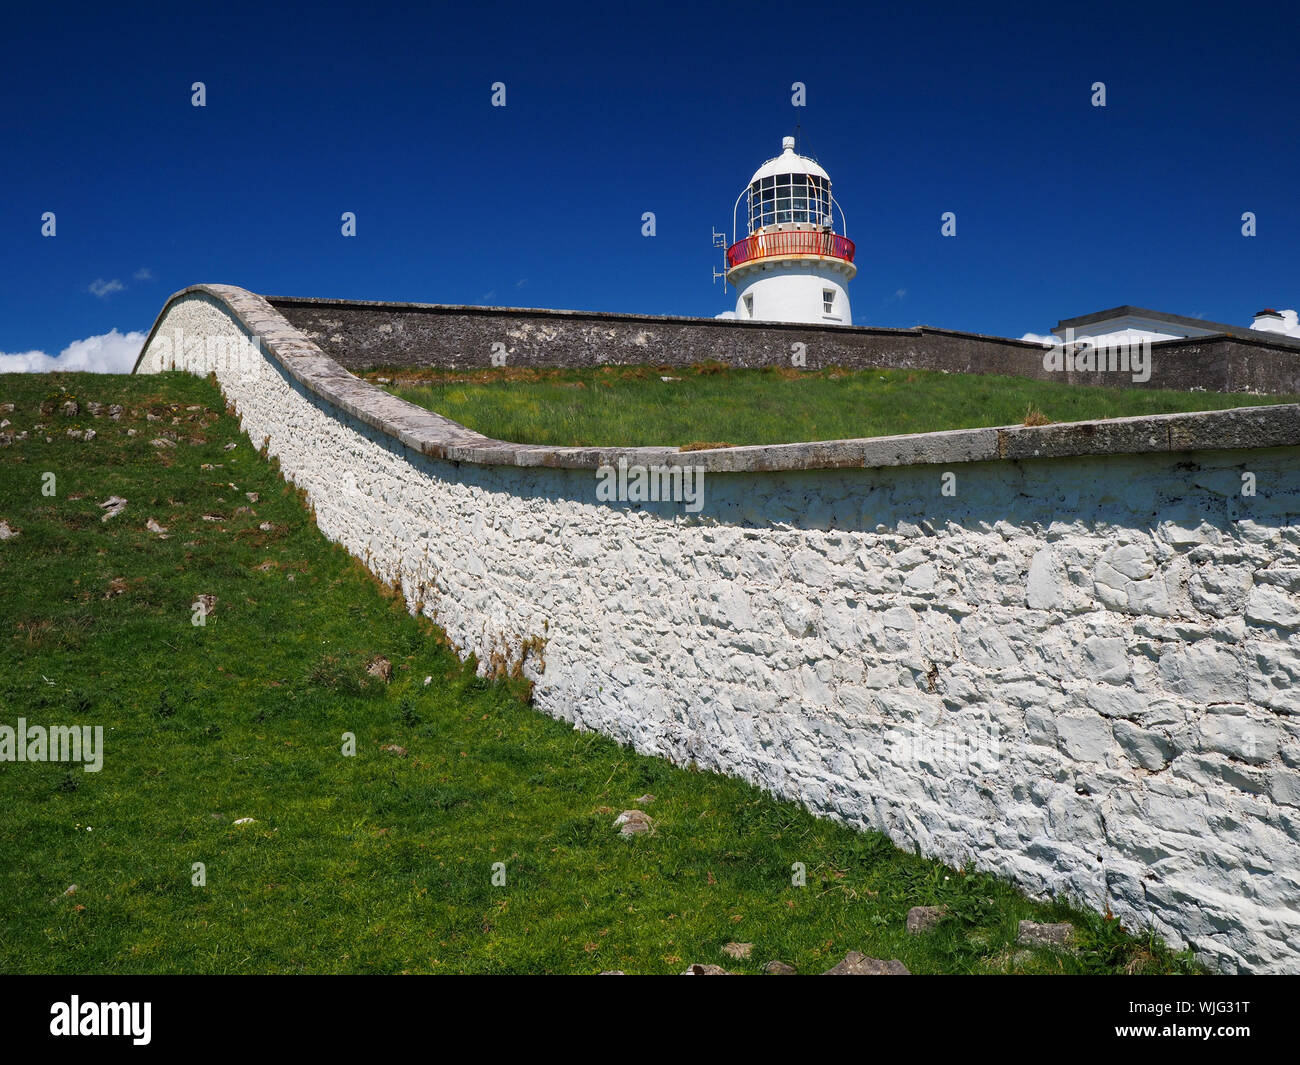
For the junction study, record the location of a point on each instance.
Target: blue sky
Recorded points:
(1062, 208)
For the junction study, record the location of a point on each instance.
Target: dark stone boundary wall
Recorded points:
(364, 335)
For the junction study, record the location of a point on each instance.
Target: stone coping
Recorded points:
(438, 437)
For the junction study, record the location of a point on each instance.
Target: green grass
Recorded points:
(634, 406)
(382, 862)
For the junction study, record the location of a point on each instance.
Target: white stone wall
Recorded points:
(1078, 673)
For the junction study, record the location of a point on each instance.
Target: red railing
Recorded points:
(790, 242)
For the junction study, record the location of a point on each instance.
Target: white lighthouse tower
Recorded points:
(793, 266)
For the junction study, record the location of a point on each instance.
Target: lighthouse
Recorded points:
(794, 266)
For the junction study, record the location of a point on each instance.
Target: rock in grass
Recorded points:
(739, 951)
(645, 799)
(633, 823)
(1033, 934)
(159, 441)
(923, 918)
(245, 820)
(380, 667)
(7, 531)
(209, 602)
(393, 748)
(779, 968)
(856, 964)
(707, 970)
(112, 507)
(154, 527)
(612, 972)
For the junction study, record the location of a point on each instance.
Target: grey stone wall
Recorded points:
(363, 336)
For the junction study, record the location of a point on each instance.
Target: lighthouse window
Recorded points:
(762, 203)
(784, 207)
(749, 306)
(828, 300)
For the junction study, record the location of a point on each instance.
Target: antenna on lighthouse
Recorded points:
(720, 241)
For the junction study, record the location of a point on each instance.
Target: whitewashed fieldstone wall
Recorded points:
(1080, 673)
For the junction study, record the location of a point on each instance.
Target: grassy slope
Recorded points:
(379, 862)
(633, 406)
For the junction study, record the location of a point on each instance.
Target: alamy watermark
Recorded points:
(57, 743)
(241, 355)
(651, 484)
(1085, 354)
(75, 1018)
(974, 748)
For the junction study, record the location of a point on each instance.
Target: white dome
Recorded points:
(789, 163)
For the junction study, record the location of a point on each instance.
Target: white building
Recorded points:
(1127, 324)
(794, 266)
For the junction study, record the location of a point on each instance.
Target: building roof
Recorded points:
(1199, 324)
(788, 162)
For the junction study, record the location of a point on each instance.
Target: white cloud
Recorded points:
(1040, 338)
(143, 274)
(110, 353)
(102, 288)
